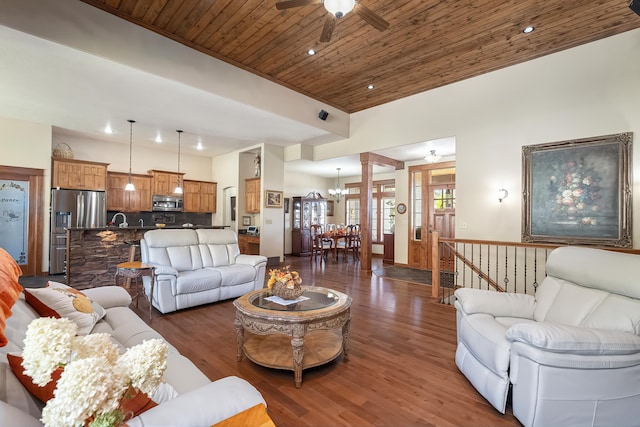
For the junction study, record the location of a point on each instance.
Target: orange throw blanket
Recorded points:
(9, 289)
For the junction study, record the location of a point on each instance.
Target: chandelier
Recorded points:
(338, 193)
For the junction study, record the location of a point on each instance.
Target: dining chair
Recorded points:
(320, 244)
(353, 241)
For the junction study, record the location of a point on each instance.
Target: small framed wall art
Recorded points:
(273, 199)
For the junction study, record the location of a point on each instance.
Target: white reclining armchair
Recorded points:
(571, 353)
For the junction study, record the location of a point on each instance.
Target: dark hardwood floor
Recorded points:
(400, 370)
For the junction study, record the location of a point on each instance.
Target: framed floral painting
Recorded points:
(578, 192)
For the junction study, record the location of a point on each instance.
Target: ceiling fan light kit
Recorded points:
(337, 9)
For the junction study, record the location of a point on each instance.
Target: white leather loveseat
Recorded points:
(195, 267)
(571, 353)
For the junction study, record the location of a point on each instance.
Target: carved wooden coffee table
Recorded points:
(294, 337)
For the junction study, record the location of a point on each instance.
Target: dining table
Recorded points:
(336, 236)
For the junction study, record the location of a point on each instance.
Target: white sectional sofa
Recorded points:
(571, 353)
(200, 402)
(195, 267)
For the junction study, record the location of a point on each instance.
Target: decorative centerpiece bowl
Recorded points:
(285, 284)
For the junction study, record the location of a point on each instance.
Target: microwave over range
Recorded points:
(167, 204)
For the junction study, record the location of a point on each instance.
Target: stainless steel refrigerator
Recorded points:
(72, 208)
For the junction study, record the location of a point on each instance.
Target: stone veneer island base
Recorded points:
(94, 253)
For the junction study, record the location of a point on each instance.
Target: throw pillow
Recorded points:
(13, 393)
(42, 393)
(9, 289)
(59, 300)
(134, 402)
(255, 416)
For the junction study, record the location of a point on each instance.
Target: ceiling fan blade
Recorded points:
(371, 17)
(288, 4)
(327, 30)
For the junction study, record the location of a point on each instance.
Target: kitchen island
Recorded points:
(94, 253)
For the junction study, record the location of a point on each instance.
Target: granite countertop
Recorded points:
(147, 227)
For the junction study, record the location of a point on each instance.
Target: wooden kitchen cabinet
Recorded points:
(128, 201)
(163, 182)
(208, 196)
(78, 174)
(200, 196)
(252, 195)
(248, 244)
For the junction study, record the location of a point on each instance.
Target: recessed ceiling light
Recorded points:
(108, 129)
(311, 52)
(199, 146)
(158, 139)
(370, 87)
(528, 30)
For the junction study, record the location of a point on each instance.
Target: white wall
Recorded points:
(587, 91)
(272, 229)
(143, 158)
(225, 172)
(28, 145)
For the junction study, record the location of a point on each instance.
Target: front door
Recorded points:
(432, 208)
(442, 212)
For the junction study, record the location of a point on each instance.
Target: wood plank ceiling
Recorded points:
(429, 43)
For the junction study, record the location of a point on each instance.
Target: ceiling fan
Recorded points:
(337, 9)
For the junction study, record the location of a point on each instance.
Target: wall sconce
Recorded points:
(502, 194)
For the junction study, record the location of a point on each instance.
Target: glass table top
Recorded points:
(316, 299)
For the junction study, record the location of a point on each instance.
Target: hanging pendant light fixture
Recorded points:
(130, 186)
(178, 189)
(338, 192)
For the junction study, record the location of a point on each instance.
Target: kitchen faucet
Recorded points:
(141, 221)
(124, 223)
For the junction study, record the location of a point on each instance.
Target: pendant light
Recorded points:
(338, 192)
(130, 186)
(178, 189)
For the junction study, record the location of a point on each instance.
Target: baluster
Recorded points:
(515, 269)
(497, 258)
(488, 266)
(525, 270)
(506, 267)
(472, 258)
(480, 269)
(535, 269)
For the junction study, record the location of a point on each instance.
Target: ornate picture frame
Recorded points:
(578, 191)
(330, 207)
(273, 199)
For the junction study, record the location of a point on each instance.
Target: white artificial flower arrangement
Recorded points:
(95, 377)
